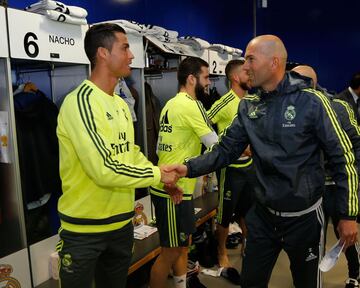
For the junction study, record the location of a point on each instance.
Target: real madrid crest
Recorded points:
(290, 113)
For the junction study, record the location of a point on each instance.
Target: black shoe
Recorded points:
(193, 268)
(237, 235)
(194, 282)
(232, 275)
(232, 242)
(351, 283)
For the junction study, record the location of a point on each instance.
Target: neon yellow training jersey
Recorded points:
(223, 111)
(183, 122)
(99, 163)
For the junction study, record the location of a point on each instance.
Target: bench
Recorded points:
(148, 248)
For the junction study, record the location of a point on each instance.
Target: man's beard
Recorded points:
(200, 92)
(245, 86)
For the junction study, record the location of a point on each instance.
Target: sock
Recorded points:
(180, 281)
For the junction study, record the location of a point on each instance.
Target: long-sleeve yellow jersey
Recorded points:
(100, 166)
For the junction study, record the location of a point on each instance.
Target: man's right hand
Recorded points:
(180, 169)
(168, 176)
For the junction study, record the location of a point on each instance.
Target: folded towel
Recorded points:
(194, 42)
(130, 31)
(41, 7)
(164, 32)
(218, 48)
(237, 52)
(221, 48)
(229, 50)
(165, 39)
(133, 26)
(61, 17)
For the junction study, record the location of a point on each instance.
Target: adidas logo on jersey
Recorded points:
(109, 117)
(253, 113)
(125, 114)
(165, 126)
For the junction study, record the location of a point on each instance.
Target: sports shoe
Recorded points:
(351, 283)
(193, 268)
(232, 275)
(232, 242)
(194, 282)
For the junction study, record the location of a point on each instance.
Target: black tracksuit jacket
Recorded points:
(287, 128)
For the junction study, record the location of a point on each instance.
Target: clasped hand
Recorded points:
(170, 174)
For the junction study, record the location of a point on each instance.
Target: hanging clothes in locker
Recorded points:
(152, 104)
(135, 95)
(130, 84)
(208, 99)
(36, 121)
(122, 89)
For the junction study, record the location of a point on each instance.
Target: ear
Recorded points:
(191, 80)
(235, 77)
(102, 52)
(275, 62)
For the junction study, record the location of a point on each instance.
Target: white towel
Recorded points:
(132, 26)
(143, 28)
(229, 49)
(165, 39)
(41, 7)
(218, 47)
(164, 32)
(129, 30)
(214, 273)
(194, 42)
(61, 17)
(237, 52)
(221, 48)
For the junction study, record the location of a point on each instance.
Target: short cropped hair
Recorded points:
(100, 35)
(231, 65)
(190, 66)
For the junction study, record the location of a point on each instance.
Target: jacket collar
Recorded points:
(290, 83)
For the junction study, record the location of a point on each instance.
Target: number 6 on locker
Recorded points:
(28, 42)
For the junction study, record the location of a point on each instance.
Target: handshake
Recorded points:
(170, 174)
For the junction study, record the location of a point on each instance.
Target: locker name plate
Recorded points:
(35, 37)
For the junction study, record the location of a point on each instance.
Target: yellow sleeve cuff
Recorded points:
(157, 175)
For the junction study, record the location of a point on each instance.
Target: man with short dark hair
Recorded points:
(183, 127)
(100, 167)
(352, 95)
(235, 181)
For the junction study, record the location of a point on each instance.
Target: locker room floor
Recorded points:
(281, 277)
